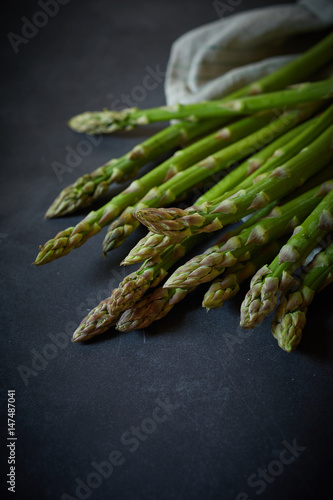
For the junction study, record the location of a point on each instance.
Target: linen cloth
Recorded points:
(210, 61)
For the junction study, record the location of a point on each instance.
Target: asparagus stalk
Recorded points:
(297, 70)
(130, 290)
(130, 117)
(290, 316)
(261, 299)
(178, 223)
(243, 246)
(73, 237)
(89, 187)
(228, 284)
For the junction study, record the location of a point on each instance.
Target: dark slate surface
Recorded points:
(186, 409)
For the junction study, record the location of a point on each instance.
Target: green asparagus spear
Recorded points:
(261, 299)
(131, 117)
(153, 244)
(290, 316)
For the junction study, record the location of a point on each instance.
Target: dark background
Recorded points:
(236, 401)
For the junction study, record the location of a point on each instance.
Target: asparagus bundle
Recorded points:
(243, 243)
(290, 317)
(262, 158)
(262, 297)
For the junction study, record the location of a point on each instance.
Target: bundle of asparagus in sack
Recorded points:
(265, 151)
